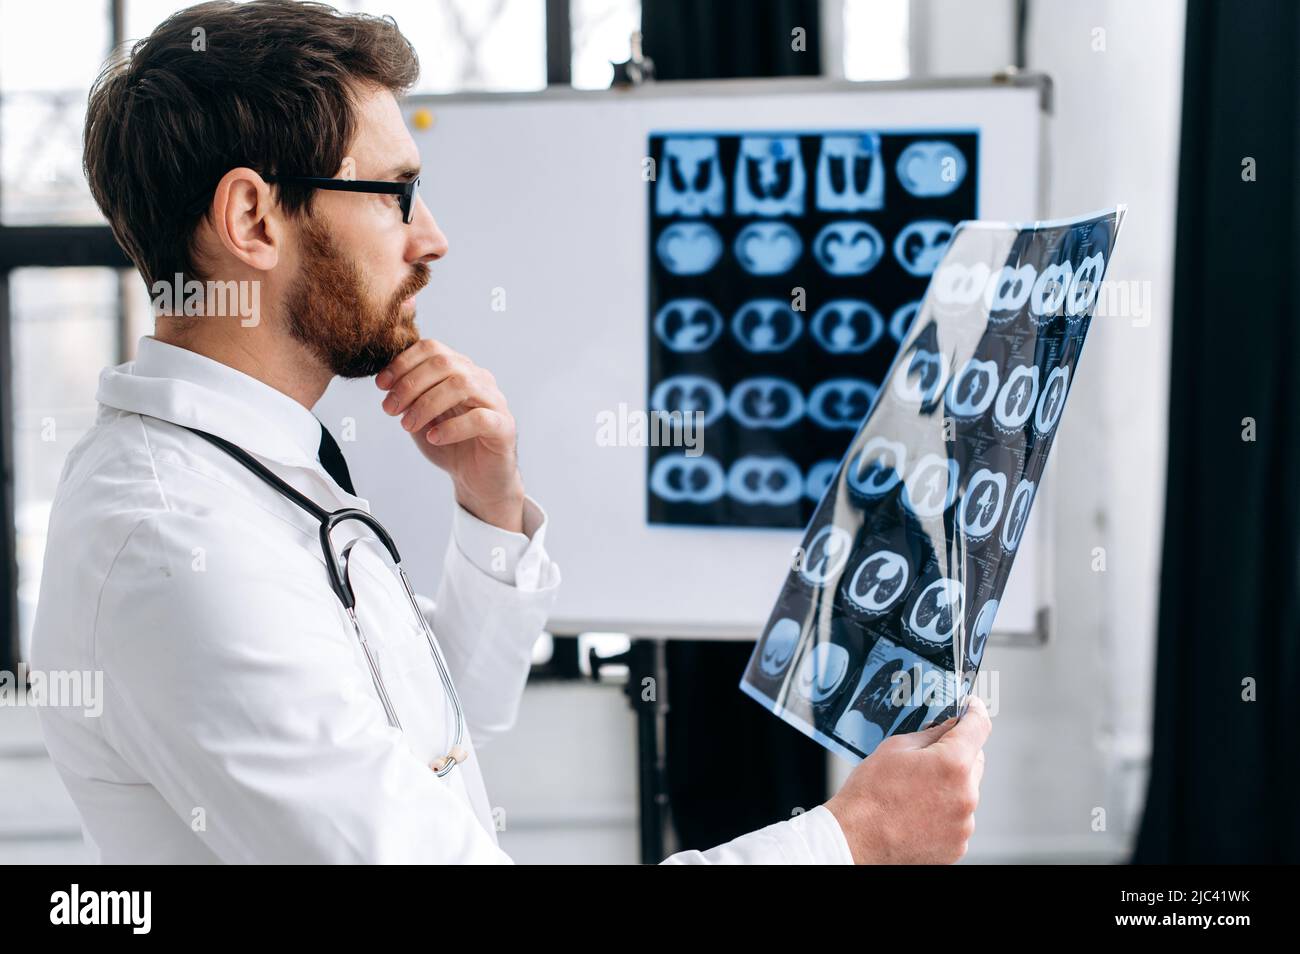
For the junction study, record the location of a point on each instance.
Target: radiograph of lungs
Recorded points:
(888, 612)
(897, 692)
(785, 268)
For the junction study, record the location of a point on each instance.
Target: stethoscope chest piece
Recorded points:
(450, 760)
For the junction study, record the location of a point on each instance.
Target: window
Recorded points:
(63, 327)
(42, 107)
(602, 31)
(875, 39)
(490, 45)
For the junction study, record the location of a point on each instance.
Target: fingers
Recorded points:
(428, 380)
(411, 384)
(967, 737)
(926, 737)
(478, 422)
(977, 773)
(418, 353)
(438, 398)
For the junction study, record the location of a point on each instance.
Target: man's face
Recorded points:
(359, 265)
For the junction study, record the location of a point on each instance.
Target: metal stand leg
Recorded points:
(647, 694)
(650, 702)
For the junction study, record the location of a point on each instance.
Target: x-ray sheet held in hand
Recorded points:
(891, 596)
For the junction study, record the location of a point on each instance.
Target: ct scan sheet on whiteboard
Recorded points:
(881, 624)
(785, 268)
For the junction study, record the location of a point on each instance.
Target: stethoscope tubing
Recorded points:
(342, 587)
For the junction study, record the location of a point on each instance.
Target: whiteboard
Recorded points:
(543, 202)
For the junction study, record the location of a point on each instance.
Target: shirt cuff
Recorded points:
(516, 559)
(822, 837)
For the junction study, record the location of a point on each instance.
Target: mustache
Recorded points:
(419, 278)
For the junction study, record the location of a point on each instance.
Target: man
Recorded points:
(242, 720)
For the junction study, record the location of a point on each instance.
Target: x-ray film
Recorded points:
(881, 625)
(785, 268)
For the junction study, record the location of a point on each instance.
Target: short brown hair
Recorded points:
(271, 89)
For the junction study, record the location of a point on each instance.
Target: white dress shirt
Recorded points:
(239, 721)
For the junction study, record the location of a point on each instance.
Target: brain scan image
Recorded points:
(930, 169)
(779, 646)
(847, 326)
(931, 486)
(768, 248)
(689, 394)
(1017, 398)
(848, 248)
(775, 279)
(689, 248)
(822, 672)
(687, 324)
(691, 182)
(958, 287)
(878, 468)
(769, 176)
(1013, 528)
(920, 246)
(766, 325)
(903, 565)
(973, 389)
(924, 373)
(937, 612)
(825, 556)
(979, 635)
(981, 504)
(1047, 297)
(773, 481)
(841, 403)
(879, 581)
(1085, 285)
(682, 479)
(761, 403)
(1007, 291)
(850, 174)
(1052, 401)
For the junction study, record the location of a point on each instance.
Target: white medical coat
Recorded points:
(239, 719)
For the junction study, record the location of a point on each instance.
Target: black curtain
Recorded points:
(1225, 772)
(724, 39)
(732, 766)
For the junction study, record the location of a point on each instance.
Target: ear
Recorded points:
(246, 220)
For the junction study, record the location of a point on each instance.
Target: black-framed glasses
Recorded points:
(405, 190)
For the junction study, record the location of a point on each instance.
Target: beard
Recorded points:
(330, 312)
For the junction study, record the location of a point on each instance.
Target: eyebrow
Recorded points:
(403, 171)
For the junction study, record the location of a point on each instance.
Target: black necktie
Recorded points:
(331, 459)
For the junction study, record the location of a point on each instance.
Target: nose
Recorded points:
(426, 241)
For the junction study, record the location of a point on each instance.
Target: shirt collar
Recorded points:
(192, 390)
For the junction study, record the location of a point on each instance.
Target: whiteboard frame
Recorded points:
(1011, 79)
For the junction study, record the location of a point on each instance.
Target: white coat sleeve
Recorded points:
(496, 591)
(811, 838)
(241, 696)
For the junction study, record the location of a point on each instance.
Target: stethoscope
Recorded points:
(341, 583)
